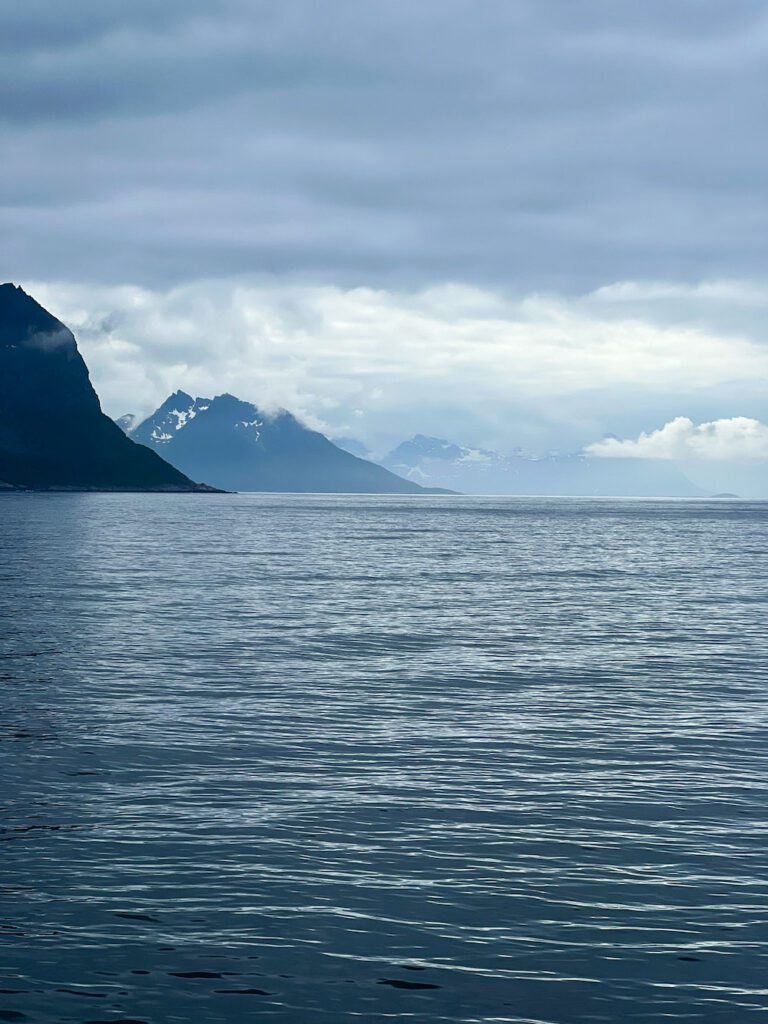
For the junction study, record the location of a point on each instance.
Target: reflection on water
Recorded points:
(354, 759)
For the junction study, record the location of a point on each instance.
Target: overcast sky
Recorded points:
(507, 222)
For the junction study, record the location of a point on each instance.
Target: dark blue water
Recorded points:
(346, 760)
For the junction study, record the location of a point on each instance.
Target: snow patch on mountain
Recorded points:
(234, 442)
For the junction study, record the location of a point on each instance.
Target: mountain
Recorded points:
(53, 434)
(748, 479)
(434, 462)
(238, 447)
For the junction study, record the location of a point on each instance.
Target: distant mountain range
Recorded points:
(53, 434)
(236, 446)
(435, 462)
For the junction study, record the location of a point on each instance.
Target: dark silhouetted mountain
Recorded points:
(236, 446)
(53, 434)
(434, 462)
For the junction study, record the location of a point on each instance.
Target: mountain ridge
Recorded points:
(53, 433)
(435, 461)
(240, 447)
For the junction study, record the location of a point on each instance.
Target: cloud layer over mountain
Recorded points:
(540, 372)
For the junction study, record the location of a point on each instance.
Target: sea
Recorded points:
(330, 759)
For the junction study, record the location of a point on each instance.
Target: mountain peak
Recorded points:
(176, 412)
(421, 446)
(53, 434)
(237, 445)
(436, 462)
(226, 400)
(10, 292)
(25, 323)
(178, 398)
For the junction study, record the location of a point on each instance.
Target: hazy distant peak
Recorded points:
(352, 445)
(435, 462)
(420, 446)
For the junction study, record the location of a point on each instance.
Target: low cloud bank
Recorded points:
(322, 349)
(737, 439)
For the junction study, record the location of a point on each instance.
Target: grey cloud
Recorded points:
(548, 144)
(39, 25)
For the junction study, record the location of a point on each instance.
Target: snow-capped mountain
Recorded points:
(238, 447)
(434, 462)
(425, 457)
(165, 422)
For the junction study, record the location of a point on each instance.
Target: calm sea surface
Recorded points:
(330, 759)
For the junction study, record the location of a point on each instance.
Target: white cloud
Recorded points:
(739, 438)
(750, 293)
(319, 348)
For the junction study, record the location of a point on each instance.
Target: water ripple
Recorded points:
(329, 759)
